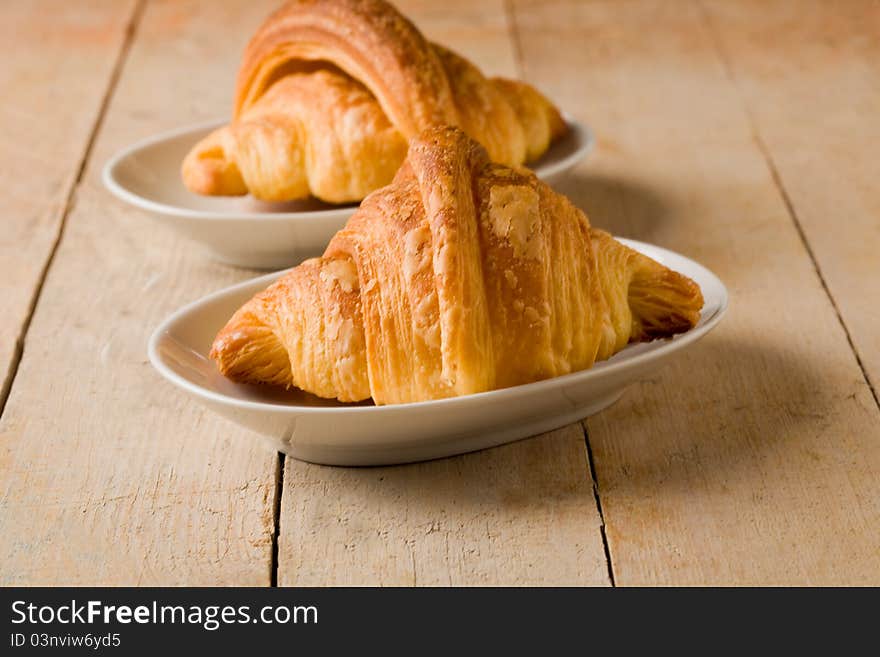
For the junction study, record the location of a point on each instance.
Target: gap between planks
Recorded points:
(122, 56)
(276, 515)
(595, 482)
(513, 30)
(724, 57)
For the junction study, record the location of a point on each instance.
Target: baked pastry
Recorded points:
(330, 91)
(461, 276)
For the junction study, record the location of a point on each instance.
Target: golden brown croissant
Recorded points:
(329, 92)
(459, 277)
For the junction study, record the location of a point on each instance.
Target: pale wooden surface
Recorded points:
(522, 514)
(818, 115)
(50, 104)
(110, 476)
(743, 134)
(757, 458)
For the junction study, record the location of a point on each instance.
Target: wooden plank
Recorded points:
(51, 101)
(755, 459)
(110, 475)
(479, 31)
(817, 115)
(520, 514)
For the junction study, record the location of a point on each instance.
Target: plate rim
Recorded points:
(586, 144)
(668, 346)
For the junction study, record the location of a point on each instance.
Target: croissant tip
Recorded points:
(225, 349)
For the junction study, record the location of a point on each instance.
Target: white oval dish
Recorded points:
(329, 432)
(245, 232)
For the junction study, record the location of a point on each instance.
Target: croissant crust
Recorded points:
(461, 276)
(329, 92)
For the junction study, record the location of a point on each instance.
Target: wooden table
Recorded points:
(743, 134)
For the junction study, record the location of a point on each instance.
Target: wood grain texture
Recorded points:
(50, 104)
(818, 116)
(728, 131)
(110, 475)
(756, 459)
(520, 514)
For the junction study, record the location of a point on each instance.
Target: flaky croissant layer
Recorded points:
(461, 276)
(329, 92)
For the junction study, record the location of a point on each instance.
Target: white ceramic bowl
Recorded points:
(249, 233)
(322, 431)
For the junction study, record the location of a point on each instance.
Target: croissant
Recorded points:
(330, 91)
(461, 276)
